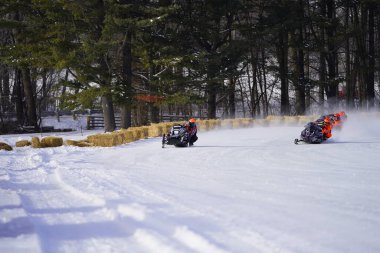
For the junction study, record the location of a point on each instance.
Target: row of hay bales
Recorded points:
(46, 142)
(132, 134)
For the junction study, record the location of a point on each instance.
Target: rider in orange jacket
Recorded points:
(326, 124)
(191, 128)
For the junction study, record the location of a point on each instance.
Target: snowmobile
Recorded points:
(178, 136)
(311, 134)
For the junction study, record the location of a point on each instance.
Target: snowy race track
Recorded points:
(248, 190)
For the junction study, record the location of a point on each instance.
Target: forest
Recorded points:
(137, 60)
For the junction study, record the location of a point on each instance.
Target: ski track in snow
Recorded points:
(235, 191)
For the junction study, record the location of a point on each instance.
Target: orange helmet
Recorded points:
(192, 120)
(327, 120)
(337, 114)
(342, 113)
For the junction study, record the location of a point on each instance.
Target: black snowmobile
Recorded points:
(178, 136)
(311, 134)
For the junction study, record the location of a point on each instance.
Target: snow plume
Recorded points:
(359, 124)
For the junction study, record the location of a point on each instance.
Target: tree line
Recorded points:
(226, 58)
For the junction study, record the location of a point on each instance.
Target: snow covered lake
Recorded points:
(237, 191)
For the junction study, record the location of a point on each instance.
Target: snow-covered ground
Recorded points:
(247, 190)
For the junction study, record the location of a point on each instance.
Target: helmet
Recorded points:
(192, 120)
(342, 113)
(337, 114)
(327, 120)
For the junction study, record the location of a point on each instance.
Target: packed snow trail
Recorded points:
(238, 191)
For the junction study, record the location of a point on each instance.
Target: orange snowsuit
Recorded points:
(326, 126)
(326, 130)
(337, 120)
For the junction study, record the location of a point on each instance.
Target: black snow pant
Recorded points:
(193, 139)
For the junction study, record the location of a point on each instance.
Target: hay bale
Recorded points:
(237, 123)
(156, 130)
(101, 140)
(305, 119)
(106, 140)
(52, 141)
(227, 123)
(167, 126)
(275, 120)
(23, 143)
(80, 143)
(127, 135)
(4, 146)
(145, 130)
(203, 125)
(36, 143)
(262, 122)
(246, 123)
(137, 133)
(291, 120)
(214, 124)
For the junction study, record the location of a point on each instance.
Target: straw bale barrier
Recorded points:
(215, 123)
(307, 119)
(203, 125)
(291, 120)
(262, 122)
(131, 134)
(109, 139)
(227, 123)
(145, 130)
(4, 146)
(155, 130)
(52, 141)
(137, 133)
(23, 143)
(47, 142)
(168, 125)
(238, 123)
(275, 120)
(81, 143)
(36, 143)
(248, 122)
(126, 135)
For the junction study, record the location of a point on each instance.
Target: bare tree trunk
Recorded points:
(349, 81)
(108, 113)
(18, 97)
(126, 107)
(231, 98)
(283, 69)
(153, 108)
(332, 87)
(371, 56)
(322, 58)
(29, 97)
(5, 88)
(265, 100)
(362, 56)
(242, 97)
(250, 89)
(211, 91)
(298, 71)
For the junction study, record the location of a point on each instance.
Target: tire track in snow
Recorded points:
(156, 228)
(44, 194)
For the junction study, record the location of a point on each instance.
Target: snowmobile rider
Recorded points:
(326, 125)
(191, 129)
(337, 118)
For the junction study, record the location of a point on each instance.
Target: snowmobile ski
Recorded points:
(163, 140)
(296, 141)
